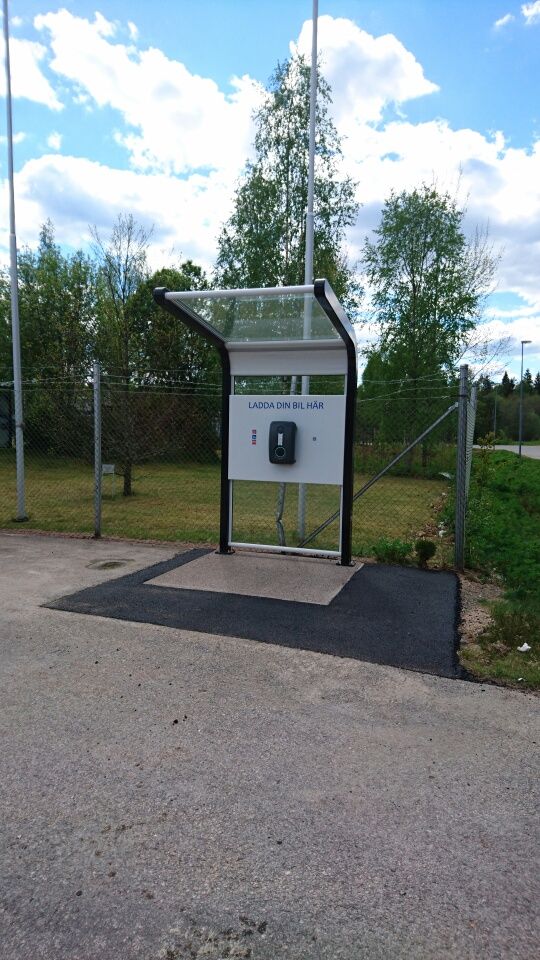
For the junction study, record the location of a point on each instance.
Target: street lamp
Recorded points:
(523, 342)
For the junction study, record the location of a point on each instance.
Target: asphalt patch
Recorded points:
(398, 616)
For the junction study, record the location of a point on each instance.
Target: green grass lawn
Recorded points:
(503, 538)
(181, 502)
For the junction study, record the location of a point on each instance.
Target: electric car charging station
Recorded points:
(286, 332)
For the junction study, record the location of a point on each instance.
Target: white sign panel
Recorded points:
(319, 440)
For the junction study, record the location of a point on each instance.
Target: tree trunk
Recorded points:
(127, 470)
(128, 432)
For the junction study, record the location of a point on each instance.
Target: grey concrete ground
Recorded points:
(262, 575)
(178, 795)
(533, 452)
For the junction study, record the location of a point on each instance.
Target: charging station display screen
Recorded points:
(308, 448)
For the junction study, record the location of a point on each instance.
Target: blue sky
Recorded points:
(147, 106)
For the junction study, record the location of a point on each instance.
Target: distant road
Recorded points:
(532, 452)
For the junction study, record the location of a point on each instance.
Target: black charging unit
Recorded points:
(281, 441)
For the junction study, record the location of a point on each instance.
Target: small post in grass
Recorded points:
(97, 450)
(461, 468)
(523, 342)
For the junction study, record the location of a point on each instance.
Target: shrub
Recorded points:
(424, 550)
(387, 550)
(510, 627)
(503, 525)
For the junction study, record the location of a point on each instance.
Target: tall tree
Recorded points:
(508, 385)
(123, 267)
(169, 350)
(6, 363)
(428, 285)
(428, 282)
(528, 385)
(57, 306)
(122, 264)
(263, 242)
(174, 412)
(485, 383)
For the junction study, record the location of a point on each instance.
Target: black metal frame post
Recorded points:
(339, 320)
(335, 313)
(195, 323)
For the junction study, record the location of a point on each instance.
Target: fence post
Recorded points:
(471, 423)
(461, 468)
(97, 450)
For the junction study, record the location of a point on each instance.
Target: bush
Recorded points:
(387, 550)
(503, 524)
(511, 627)
(424, 550)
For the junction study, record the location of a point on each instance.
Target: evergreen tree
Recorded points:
(507, 385)
(528, 385)
(485, 384)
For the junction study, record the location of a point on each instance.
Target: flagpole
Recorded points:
(15, 331)
(308, 269)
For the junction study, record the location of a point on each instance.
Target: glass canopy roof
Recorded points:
(273, 313)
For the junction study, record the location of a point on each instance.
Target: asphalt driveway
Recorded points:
(399, 616)
(175, 794)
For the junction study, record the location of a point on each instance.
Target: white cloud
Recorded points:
(520, 312)
(188, 140)
(17, 137)
(176, 121)
(503, 21)
(186, 213)
(499, 184)
(54, 140)
(16, 21)
(27, 78)
(133, 30)
(104, 27)
(531, 12)
(511, 333)
(366, 73)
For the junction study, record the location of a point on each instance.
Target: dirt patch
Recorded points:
(475, 611)
(110, 564)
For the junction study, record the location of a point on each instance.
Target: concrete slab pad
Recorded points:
(299, 579)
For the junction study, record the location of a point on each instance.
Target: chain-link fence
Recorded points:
(58, 458)
(160, 470)
(160, 461)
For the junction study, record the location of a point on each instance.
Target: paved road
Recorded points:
(533, 452)
(174, 794)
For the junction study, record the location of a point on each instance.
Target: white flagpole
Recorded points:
(308, 270)
(15, 332)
